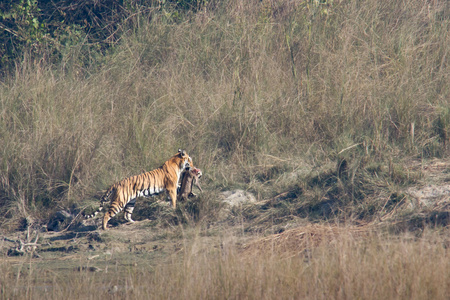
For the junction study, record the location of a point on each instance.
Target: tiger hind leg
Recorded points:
(129, 210)
(113, 210)
(106, 218)
(127, 217)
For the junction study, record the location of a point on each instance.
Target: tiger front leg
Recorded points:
(173, 197)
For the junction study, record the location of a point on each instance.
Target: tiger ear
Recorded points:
(183, 153)
(179, 150)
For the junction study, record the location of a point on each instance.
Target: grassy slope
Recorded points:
(251, 91)
(325, 113)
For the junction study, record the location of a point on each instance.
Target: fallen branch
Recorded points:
(24, 247)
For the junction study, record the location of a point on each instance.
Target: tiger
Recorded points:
(123, 194)
(189, 178)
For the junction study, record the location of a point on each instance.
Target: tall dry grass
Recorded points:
(243, 86)
(342, 266)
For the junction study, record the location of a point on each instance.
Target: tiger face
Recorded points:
(186, 160)
(183, 161)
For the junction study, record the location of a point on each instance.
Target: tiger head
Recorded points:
(184, 161)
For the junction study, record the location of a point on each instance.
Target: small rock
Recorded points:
(429, 195)
(237, 197)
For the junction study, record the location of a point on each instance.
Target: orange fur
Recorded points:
(123, 194)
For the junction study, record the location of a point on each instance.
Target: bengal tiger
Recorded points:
(189, 178)
(123, 194)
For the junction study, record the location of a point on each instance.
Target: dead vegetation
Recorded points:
(331, 116)
(299, 240)
(23, 247)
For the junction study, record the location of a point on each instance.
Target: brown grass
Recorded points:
(329, 263)
(296, 241)
(323, 103)
(239, 86)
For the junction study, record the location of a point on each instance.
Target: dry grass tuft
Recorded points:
(296, 241)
